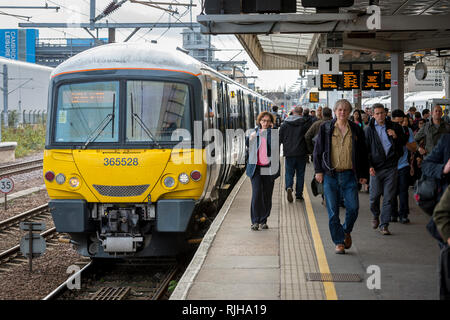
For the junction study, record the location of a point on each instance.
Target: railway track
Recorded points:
(146, 279)
(13, 256)
(30, 215)
(19, 168)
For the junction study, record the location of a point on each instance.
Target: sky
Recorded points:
(78, 11)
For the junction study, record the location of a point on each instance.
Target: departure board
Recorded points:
(313, 97)
(350, 80)
(387, 79)
(329, 82)
(372, 79)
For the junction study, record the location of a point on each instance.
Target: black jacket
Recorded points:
(292, 136)
(322, 150)
(434, 163)
(377, 157)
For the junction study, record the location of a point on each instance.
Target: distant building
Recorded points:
(198, 45)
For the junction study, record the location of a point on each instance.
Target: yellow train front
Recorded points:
(120, 184)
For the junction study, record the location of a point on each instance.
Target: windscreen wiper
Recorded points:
(147, 130)
(141, 123)
(101, 127)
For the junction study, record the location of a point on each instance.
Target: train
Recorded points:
(27, 85)
(112, 166)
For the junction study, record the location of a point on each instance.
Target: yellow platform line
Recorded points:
(330, 290)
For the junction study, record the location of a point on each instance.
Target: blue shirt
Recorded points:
(403, 161)
(382, 134)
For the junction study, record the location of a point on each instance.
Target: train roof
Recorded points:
(139, 56)
(130, 55)
(24, 65)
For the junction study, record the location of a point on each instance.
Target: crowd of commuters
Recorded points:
(373, 148)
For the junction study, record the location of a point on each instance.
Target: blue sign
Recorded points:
(9, 43)
(18, 44)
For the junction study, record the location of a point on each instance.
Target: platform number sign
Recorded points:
(328, 64)
(313, 81)
(6, 185)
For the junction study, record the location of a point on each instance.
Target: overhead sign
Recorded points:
(372, 79)
(329, 82)
(351, 80)
(313, 81)
(328, 63)
(387, 79)
(313, 97)
(6, 185)
(433, 82)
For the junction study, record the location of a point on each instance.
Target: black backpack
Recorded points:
(426, 193)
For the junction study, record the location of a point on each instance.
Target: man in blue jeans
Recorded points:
(292, 136)
(340, 161)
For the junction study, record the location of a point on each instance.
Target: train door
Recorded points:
(222, 125)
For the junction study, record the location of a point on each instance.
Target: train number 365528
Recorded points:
(121, 162)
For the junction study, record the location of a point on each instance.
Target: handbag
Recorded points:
(426, 192)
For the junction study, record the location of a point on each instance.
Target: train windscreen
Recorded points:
(155, 109)
(88, 112)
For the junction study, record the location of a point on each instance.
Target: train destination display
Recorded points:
(372, 80)
(387, 79)
(350, 80)
(313, 97)
(329, 82)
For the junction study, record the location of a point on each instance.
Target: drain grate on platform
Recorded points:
(108, 293)
(334, 277)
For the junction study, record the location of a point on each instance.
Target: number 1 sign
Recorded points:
(328, 63)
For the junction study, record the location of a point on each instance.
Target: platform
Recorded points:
(236, 263)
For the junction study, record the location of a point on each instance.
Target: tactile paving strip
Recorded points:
(334, 277)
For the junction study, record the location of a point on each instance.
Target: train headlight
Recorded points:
(196, 175)
(169, 182)
(74, 182)
(183, 178)
(60, 178)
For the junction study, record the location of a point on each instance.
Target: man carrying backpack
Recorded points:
(277, 117)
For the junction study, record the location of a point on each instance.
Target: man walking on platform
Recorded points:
(292, 136)
(401, 214)
(340, 161)
(432, 131)
(385, 141)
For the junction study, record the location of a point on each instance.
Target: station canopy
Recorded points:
(292, 40)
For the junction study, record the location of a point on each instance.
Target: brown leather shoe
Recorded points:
(348, 241)
(385, 231)
(375, 222)
(340, 249)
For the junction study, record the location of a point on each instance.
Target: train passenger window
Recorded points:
(88, 112)
(155, 110)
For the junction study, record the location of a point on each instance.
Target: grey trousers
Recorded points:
(383, 183)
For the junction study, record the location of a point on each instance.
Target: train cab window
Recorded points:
(87, 112)
(155, 110)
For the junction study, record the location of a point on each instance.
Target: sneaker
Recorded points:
(404, 220)
(264, 226)
(300, 198)
(255, 227)
(340, 249)
(289, 195)
(348, 241)
(385, 231)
